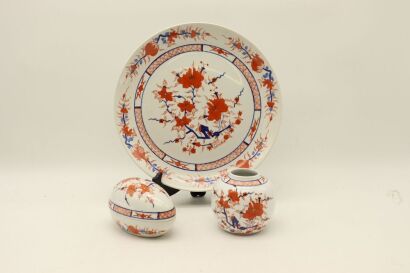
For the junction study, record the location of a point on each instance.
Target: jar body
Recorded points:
(242, 201)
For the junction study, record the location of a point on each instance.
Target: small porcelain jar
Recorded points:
(242, 201)
(141, 207)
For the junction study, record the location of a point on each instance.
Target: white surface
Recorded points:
(341, 163)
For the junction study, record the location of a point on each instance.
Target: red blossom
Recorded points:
(144, 188)
(270, 104)
(192, 78)
(172, 36)
(268, 84)
(243, 163)
(139, 153)
(257, 63)
(182, 121)
(151, 49)
(131, 189)
(254, 209)
(124, 110)
(127, 131)
(215, 109)
(233, 195)
(164, 94)
(133, 230)
(193, 150)
(193, 34)
(223, 203)
(186, 106)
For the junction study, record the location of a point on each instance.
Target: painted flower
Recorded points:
(151, 49)
(144, 188)
(268, 84)
(193, 34)
(186, 106)
(215, 109)
(192, 78)
(133, 230)
(233, 195)
(127, 131)
(139, 153)
(270, 104)
(257, 63)
(164, 94)
(124, 110)
(223, 203)
(172, 36)
(243, 163)
(180, 122)
(131, 189)
(254, 209)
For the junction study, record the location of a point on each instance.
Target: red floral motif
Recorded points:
(145, 232)
(241, 211)
(139, 153)
(182, 121)
(186, 106)
(215, 109)
(233, 195)
(242, 163)
(127, 131)
(223, 203)
(163, 41)
(196, 129)
(257, 63)
(270, 104)
(172, 36)
(131, 189)
(254, 209)
(137, 188)
(133, 230)
(268, 83)
(165, 94)
(151, 49)
(192, 78)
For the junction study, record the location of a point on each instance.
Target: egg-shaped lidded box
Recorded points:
(141, 207)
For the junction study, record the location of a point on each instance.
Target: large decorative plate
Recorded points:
(193, 101)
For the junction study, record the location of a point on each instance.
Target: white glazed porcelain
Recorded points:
(194, 100)
(242, 201)
(141, 207)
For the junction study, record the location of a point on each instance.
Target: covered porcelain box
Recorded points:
(141, 207)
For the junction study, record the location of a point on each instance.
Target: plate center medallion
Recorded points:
(205, 103)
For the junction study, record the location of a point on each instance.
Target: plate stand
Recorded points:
(171, 191)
